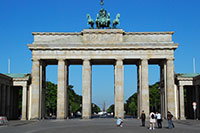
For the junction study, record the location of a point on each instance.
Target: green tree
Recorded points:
(111, 109)
(51, 98)
(154, 98)
(95, 108)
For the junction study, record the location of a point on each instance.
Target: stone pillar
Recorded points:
(138, 89)
(119, 89)
(162, 92)
(8, 102)
(11, 103)
(42, 89)
(1, 100)
(86, 99)
(62, 90)
(197, 100)
(170, 87)
(24, 103)
(35, 90)
(144, 103)
(181, 100)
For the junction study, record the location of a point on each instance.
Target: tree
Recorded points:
(75, 100)
(154, 98)
(51, 98)
(131, 107)
(111, 109)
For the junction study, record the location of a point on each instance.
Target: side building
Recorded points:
(10, 84)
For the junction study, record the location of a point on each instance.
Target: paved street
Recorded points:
(103, 125)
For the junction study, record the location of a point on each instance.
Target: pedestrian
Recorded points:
(169, 118)
(159, 119)
(152, 120)
(143, 117)
(120, 122)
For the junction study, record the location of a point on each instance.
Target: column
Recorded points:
(35, 90)
(181, 100)
(197, 100)
(42, 89)
(62, 90)
(3, 100)
(170, 87)
(0, 100)
(86, 99)
(8, 102)
(24, 102)
(11, 103)
(119, 89)
(144, 103)
(138, 89)
(163, 89)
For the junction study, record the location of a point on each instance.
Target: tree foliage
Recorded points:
(111, 109)
(75, 100)
(154, 99)
(51, 98)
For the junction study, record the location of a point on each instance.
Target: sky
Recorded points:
(19, 18)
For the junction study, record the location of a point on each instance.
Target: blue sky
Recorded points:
(19, 18)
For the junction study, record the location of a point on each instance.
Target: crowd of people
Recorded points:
(153, 119)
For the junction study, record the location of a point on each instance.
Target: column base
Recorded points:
(86, 117)
(182, 118)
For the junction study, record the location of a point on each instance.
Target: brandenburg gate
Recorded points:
(101, 46)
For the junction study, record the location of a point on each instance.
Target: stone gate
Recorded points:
(102, 46)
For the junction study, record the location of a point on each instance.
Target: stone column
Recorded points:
(1, 100)
(119, 89)
(170, 87)
(62, 90)
(181, 100)
(144, 103)
(24, 103)
(163, 89)
(8, 102)
(42, 89)
(197, 100)
(86, 99)
(11, 103)
(139, 90)
(35, 90)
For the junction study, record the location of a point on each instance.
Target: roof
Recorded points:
(188, 75)
(17, 75)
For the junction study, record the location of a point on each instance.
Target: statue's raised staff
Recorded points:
(90, 22)
(116, 21)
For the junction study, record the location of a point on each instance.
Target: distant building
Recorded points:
(9, 95)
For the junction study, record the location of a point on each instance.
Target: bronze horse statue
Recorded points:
(116, 21)
(90, 22)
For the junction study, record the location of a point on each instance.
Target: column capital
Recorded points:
(119, 59)
(61, 59)
(170, 59)
(86, 59)
(144, 59)
(181, 85)
(35, 59)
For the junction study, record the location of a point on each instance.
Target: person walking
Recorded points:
(152, 120)
(143, 117)
(159, 119)
(169, 118)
